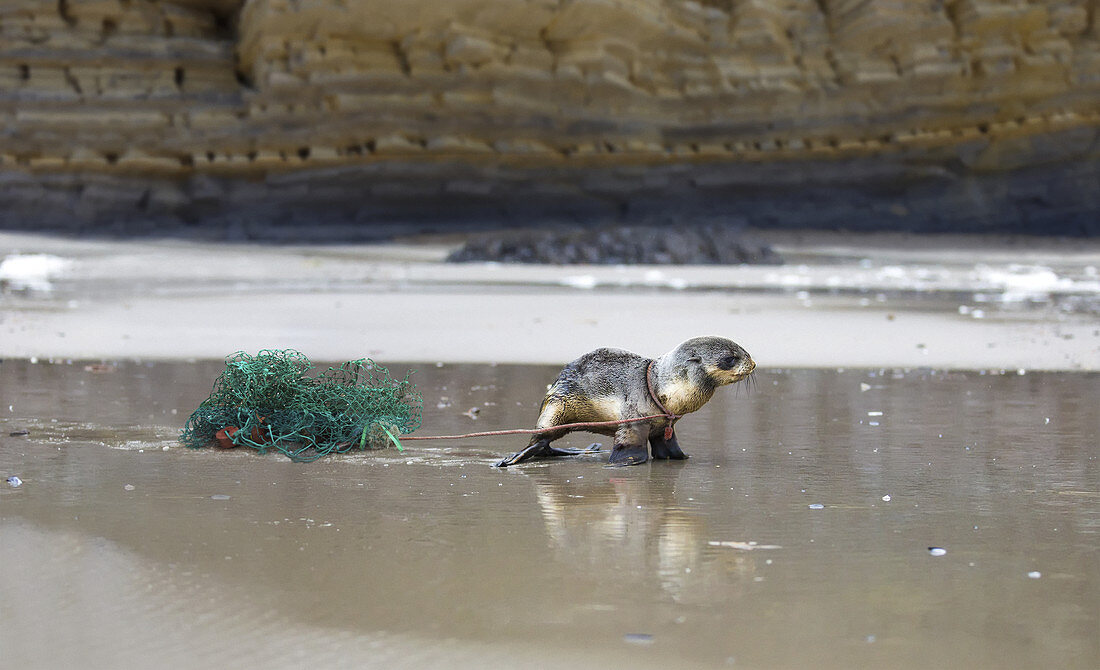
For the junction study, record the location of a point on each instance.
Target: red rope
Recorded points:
(586, 424)
(531, 431)
(660, 405)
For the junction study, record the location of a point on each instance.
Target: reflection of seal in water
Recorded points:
(612, 384)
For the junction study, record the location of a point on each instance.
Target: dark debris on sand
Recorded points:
(643, 245)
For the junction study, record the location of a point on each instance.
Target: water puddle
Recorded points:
(799, 534)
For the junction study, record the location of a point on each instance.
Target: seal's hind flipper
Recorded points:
(527, 454)
(566, 451)
(542, 449)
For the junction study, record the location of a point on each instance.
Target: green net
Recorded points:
(269, 401)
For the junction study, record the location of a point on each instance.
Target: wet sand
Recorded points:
(838, 302)
(120, 546)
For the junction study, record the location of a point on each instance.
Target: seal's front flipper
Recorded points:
(542, 449)
(663, 448)
(629, 455)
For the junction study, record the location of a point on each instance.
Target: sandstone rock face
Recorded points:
(933, 114)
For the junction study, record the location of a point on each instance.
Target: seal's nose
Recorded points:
(752, 365)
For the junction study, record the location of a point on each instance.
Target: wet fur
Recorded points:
(610, 384)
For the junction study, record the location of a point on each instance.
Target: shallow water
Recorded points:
(121, 548)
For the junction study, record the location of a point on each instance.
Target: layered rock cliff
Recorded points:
(929, 114)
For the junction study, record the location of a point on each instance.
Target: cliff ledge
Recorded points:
(262, 115)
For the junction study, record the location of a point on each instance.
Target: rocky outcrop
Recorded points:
(618, 245)
(952, 114)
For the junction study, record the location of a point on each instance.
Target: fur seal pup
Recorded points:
(613, 384)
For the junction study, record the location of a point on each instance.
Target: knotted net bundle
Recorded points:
(270, 401)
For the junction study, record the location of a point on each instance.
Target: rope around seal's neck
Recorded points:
(585, 424)
(660, 405)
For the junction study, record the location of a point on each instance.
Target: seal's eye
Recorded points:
(729, 362)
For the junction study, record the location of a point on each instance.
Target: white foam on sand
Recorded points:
(32, 272)
(1018, 283)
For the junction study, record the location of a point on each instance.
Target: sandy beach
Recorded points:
(839, 301)
(923, 494)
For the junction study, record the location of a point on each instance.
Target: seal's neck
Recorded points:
(681, 391)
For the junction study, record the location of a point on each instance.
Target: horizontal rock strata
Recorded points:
(966, 114)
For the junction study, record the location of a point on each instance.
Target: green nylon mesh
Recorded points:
(267, 401)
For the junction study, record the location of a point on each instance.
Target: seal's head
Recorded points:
(688, 375)
(713, 361)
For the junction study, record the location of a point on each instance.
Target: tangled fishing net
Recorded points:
(268, 401)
